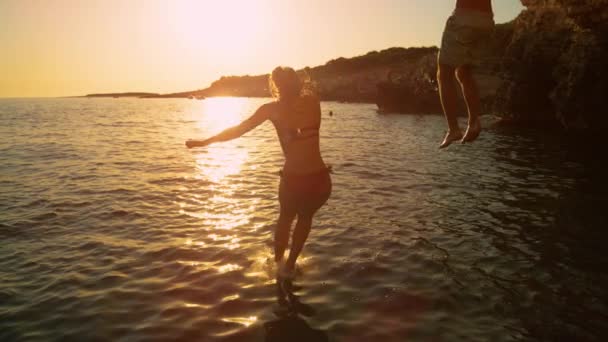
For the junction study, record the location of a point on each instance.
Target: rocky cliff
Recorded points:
(392, 76)
(343, 79)
(412, 87)
(555, 65)
(357, 79)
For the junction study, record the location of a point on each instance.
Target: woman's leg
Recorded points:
(281, 234)
(286, 216)
(306, 205)
(300, 234)
(305, 214)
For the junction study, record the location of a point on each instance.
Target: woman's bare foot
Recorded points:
(472, 131)
(450, 137)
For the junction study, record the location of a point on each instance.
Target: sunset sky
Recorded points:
(74, 47)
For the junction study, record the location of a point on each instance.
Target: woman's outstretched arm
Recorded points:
(260, 115)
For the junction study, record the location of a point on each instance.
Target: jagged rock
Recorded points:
(356, 79)
(411, 88)
(555, 70)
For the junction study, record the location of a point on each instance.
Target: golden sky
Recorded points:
(75, 47)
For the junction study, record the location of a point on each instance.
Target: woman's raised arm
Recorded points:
(261, 114)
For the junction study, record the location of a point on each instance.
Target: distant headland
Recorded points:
(130, 94)
(143, 95)
(343, 79)
(357, 79)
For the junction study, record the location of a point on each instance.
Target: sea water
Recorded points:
(112, 230)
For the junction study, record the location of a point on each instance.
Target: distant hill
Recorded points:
(130, 94)
(343, 79)
(353, 79)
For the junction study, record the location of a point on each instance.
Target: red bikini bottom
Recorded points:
(304, 193)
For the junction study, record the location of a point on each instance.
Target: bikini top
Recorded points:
(300, 133)
(289, 135)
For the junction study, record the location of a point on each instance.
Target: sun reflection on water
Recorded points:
(231, 297)
(246, 321)
(217, 161)
(230, 241)
(196, 305)
(219, 206)
(220, 161)
(229, 268)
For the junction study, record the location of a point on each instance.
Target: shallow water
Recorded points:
(112, 230)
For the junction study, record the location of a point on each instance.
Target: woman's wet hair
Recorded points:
(286, 84)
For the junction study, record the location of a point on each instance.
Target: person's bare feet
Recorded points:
(450, 137)
(472, 131)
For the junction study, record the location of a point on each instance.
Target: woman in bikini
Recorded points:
(305, 181)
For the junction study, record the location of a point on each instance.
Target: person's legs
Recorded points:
(306, 204)
(471, 97)
(447, 93)
(305, 214)
(300, 234)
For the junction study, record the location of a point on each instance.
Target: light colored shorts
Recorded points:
(465, 38)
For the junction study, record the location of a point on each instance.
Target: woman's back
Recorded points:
(297, 122)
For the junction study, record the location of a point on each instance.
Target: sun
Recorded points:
(221, 31)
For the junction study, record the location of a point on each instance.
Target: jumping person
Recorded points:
(305, 183)
(466, 31)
